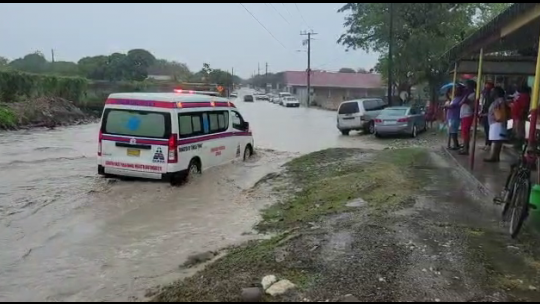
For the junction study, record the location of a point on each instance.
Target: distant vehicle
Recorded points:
(359, 115)
(282, 95)
(262, 97)
(248, 98)
(400, 120)
(169, 136)
(290, 102)
(233, 95)
(274, 99)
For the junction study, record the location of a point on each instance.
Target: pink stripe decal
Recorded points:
(168, 105)
(187, 141)
(140, 141)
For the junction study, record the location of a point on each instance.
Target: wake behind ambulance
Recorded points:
(170, 135)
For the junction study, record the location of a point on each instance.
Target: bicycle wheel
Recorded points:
(520, 206)
(508, 191)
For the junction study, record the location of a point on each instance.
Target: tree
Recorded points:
(140, 57)
(118, 67)
(260, 81)
(364, 71)
(135, 65)
(93, 67)
(347, 70)
(422, 33)
(177, 70)
(65, 68)
(32, 63)
(490, 11)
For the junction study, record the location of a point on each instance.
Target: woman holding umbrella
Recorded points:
(453, 117)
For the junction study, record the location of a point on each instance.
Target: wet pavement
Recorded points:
(490, 178)
(68, 235)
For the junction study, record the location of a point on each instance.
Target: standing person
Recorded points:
(453, 111)
(497, 117)
(520, 109)
(431, 114)
(466, 114)
(487, 99)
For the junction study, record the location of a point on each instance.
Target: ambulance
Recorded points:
(170, 136)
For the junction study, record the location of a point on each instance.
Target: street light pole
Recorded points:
(390, 42)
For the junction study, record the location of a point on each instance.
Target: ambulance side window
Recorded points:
(237, 121)
(190, 124)
(202, 123)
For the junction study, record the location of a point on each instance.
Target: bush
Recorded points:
(7, 118)
(14, 85)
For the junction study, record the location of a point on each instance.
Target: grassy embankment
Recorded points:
(31, 99)
(313, 187)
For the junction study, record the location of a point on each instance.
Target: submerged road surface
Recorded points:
(68, 235)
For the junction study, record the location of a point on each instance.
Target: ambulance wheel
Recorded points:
(248, 152)
(194, 169)
(101, 171)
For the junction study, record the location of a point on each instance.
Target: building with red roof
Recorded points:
(329, 89)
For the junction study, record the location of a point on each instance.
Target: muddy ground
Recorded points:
(392, 225)
(43, 112)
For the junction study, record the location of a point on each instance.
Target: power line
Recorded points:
(288, 13)
(275, 9)
(302, 16)
(269, 32)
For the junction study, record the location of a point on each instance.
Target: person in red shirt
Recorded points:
(519, 111)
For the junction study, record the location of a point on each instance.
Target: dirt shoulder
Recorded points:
(42, 112)
(392, 225)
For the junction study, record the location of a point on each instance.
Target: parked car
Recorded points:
(282, 95)
(290, 102)
(262, 98)
(400, 120)
(248, 98)
(359, 115)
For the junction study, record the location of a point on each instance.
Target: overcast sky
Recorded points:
(224, 35)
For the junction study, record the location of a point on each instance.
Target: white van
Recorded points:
(170, 135)
(290, 102)
(359, 115)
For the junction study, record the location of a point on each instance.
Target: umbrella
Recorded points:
(448, 86)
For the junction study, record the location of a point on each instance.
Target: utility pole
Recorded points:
(308, 71)
(266, 79)
(258, 72)
(390, 55)
(231, 87)
(52, 55)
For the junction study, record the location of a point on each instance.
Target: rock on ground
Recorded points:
(268, 281)
(280, 288)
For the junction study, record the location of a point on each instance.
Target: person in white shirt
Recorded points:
(466, 114)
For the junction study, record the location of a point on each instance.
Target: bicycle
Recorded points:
(517, 189)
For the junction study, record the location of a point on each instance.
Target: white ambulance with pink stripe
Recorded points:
(170, 136)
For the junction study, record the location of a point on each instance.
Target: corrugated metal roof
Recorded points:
(467, 47)
(334, 80)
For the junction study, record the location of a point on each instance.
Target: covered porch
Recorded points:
(506, 52)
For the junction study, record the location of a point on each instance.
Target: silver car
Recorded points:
(400, 120)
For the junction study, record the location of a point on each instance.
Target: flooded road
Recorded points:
(68, 235)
